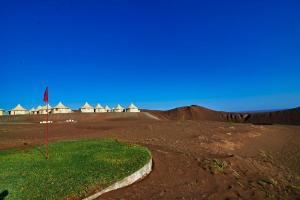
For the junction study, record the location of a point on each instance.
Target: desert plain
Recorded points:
(194, 158)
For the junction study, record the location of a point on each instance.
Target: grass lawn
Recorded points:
(74, 168)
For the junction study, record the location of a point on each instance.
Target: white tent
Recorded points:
(18, 110)
(99, 108)
(107, 109)
(32, 111)
(118, 108)
(61, 108)
(1, 112)
(43, 109)
(132, 108)
(38, 109)
(87, 108)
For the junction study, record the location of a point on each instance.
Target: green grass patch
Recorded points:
(74, 168)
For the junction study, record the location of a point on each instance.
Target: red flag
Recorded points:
(46, 95)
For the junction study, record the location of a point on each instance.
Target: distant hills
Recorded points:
(194, 112)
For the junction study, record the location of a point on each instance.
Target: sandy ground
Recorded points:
(259, 161)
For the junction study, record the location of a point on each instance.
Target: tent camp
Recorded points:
(18, 110)
(107, 109)
(99, 108)
(118, 108)
(132, 108)
(87, 108)
(61, 108)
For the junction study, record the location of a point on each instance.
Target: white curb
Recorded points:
(138, 175)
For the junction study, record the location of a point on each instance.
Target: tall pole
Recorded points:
(46, 132)
(47, 120)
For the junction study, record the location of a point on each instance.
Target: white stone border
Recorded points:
(138, 175)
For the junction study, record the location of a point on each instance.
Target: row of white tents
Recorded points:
(61, 108)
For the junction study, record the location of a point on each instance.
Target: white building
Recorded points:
(44, 109)
(87, 108)
(1, 112)
(107, 109)
(132, 108)
(118, 108)
(18, 110)
(99, 108)
(61, 108)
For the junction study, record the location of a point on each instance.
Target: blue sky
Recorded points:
(226, 55)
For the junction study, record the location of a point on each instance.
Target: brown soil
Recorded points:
(192, 159)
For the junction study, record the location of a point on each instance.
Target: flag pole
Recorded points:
(47, 127)
(47, 120)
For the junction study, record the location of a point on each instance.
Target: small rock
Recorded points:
(261, 182)
(162, 193)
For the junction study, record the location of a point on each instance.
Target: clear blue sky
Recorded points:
(226, 55)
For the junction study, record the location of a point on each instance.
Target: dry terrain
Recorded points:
(193, 159)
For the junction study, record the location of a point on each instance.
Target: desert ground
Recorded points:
(193, 159)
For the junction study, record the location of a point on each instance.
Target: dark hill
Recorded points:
(191, 113)
(290, 116)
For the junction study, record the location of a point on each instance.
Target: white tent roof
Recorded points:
(1, 109)
(32, 109)
(87, 106)
(19, 108)
(61, 106)
(107, 108)
(98, 106)
(132, 106)
(119, 107)
(45, 107)
(39, 108)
